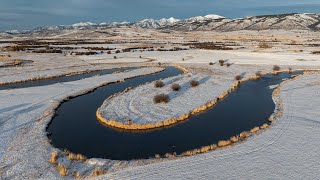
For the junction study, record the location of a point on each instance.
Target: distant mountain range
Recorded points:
(305, 21)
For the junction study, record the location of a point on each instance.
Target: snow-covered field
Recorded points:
(24, 114)
(137, 105)
(206, 56)
(289, 149)
(46, 66)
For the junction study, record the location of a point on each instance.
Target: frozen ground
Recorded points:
(206, 56)
(24, 147)
(47, 65)
(137, 105)
(289, 149)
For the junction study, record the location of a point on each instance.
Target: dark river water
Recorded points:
(76, 128)
(61, 79)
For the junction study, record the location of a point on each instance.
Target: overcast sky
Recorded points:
(28, 14)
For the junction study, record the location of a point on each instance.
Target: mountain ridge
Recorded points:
(302, 21)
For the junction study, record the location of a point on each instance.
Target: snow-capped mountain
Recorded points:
(305, 21)
(155, 24)
(205, 18)
(82, 26)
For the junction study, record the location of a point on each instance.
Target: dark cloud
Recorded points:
(27, 14)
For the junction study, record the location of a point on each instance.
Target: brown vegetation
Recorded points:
(76, 157)
(97, 172)
(244, 135)
(276, 68)
(258, 74)
(221, 62)
(238, 77)
(224, 143)
(161, 98)
(62, 169)
(211, 63)
(159, 84)
(209, 46)
(54, 157)
(264, 45)
(175, 87)
(194, 83)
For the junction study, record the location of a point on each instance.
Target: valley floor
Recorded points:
(288, 149)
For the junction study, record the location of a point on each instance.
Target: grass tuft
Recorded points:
(54, 157)
(97, 172)
(62, 169)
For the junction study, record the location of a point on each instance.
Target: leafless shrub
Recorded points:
(118, 51)
(228, 64)
(221, 62)
(114, 57)
(276, 68)
(258, 74)
(161, 98)
(175, 87)
(159, 84)
(210, 63)
(194, 83)
(238, 77)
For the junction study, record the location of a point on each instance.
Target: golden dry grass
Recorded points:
(264, 126)
(223, 143)
(62, 169)
(54, 157)
(255, 129)
(97, 172)
(75, 157)
(77, 175)
(244, 135)
(234, 139)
